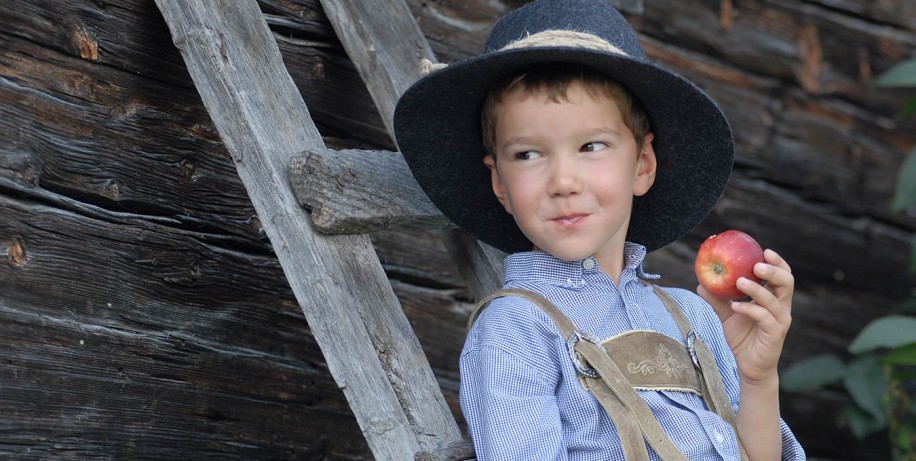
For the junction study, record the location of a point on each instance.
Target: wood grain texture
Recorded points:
(124, 133)
(360, 191)
(369, 345)
(129, 338)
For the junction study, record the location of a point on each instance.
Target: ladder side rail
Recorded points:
(356, 319)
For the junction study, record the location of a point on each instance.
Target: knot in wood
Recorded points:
(15, 254)
(87, 45)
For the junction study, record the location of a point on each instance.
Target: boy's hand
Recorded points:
(755, 330)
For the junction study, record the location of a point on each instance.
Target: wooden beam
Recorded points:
(461, 450)
(386, 46)
(629, 6)
(360, 191)
(367, 342)
(377, 41)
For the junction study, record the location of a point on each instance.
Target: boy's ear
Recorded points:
(646, 166)
(498, 190)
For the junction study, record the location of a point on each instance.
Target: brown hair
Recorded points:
(553, 79)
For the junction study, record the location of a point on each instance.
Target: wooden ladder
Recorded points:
(367, 342)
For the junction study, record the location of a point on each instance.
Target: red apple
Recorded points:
(725, 257)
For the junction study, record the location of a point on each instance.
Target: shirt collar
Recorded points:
(541, 267)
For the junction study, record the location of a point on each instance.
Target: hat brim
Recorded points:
(438, 127)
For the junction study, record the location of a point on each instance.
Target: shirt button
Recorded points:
(720, 439)
(588, 264)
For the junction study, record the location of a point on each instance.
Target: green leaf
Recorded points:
(905, 438)
(905, 190)
(811, 373)
(888, 331)
(908, 305)
(866, 384)
(904, 355)
(904, 375)
(902, 74)
(909, 107)
(913, 255)
(860, 422)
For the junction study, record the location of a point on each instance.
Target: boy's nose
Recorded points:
(565, 177)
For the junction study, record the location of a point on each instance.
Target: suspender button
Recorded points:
(692, 348)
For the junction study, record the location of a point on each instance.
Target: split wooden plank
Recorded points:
(367, 342)
(386, 46)
(357, 191)
(462, 450)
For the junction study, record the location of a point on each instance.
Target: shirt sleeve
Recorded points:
(791, 449)
(508, 394)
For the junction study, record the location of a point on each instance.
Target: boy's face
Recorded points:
(568, 170)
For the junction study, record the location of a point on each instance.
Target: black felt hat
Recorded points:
(438, 128)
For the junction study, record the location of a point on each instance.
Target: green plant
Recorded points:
(880, 378)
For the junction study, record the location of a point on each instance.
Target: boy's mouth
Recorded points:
(570, 220)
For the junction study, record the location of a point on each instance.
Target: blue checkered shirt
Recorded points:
(519, 391)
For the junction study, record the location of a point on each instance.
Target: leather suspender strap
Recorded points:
(631, 438)
(713, 387)
(628, 407)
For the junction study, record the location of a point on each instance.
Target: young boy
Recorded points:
(563, 146)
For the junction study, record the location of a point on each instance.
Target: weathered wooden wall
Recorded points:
(144, 316)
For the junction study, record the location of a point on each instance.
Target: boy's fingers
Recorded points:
(765, 319)
(759, 293)
(777, 295)
(768, 299)
(756, 312)
(776, 271)
(773, 258)
(775, 277)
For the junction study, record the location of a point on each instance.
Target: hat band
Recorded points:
(568, 38)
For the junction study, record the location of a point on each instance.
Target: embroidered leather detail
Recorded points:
(653, 361)
(664, 361)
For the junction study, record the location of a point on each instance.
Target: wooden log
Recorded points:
(825, 51)
(456, 30)
(360, 191)
(418, 258)
(823, 149)
(896, 12)
(129, 337)
(100, 130)
(366, 340)
(455, 451)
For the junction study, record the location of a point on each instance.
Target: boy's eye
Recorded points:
(593, 146)
(526, 155)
